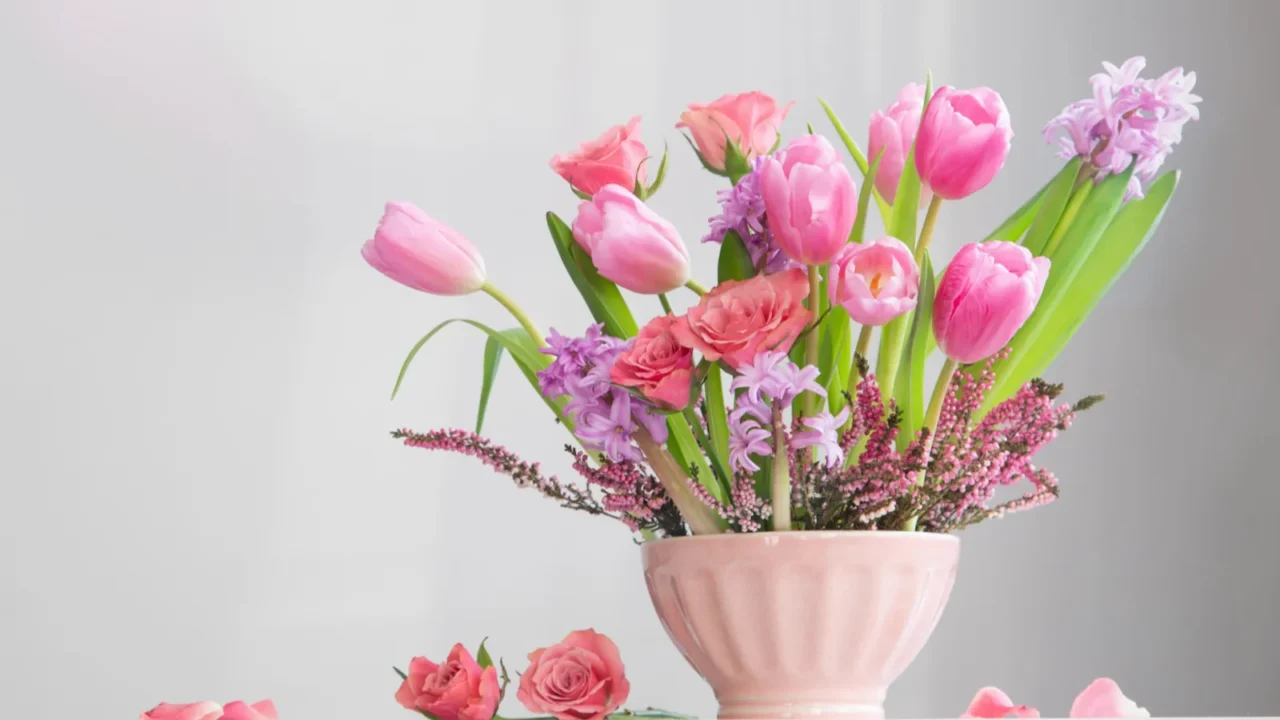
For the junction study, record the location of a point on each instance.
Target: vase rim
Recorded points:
(811, 535)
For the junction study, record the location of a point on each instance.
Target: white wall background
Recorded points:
(199, 497)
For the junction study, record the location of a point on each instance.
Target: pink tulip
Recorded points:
(809, 198)
(963, 141)
(993, 703)
(616, 158)
(1103, 699)
(206, 710)
(986, 294)
(750, 120)
(416, 250)
(630, 244)
(875, 282)
(892, 133)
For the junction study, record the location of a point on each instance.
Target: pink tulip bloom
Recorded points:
(993, 703)
(207, 710)
(874, 282)
(750, 120)
(630, 244)
(963, 141)
(986, 294)
(614, 158)
(416, 250)
(1103, 699)
(809, 198)
(892, 133)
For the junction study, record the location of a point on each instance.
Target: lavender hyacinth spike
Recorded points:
(742, 210)
(759, 375)
(611, 433)
(747, 437)
(823, 432)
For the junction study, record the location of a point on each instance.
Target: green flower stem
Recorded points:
(811, 340)
(701, 519)
(1068, 214)
(926, 232)
(534, 333)
(666, 304)
(781, 493)
(696, 287)
(931, 423)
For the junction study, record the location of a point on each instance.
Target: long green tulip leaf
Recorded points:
(859, 158)
(1055, 200)
(911, 375)
(864, 198)
(492, 357)
(603, 298)
(1015, 225)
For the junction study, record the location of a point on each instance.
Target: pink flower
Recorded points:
(629, 243)
(658, 365)
(750, 120)
(457, 690)
(892, 132)
(416, 250)
(581, 678)
(1103, 699)
(207, 710)
(614, 158)
(987, 293)
(809, 199)
(874, 282)
(739, 318)
(963, 140)
(993, 703)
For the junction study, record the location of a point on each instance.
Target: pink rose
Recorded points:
(1103, 699)
(750, 120)
(616, 157)
(657, 364)
(581, 678)
(739, 318)
(993, 703)
(892, 133)
(457, 690)
(207, 710)
(874, 282)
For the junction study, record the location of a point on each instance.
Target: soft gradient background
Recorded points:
(200, 499)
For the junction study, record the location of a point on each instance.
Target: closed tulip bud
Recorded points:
(986, 294)
(891, 132)
(809, 198)
(874, 282)
(630, 244)
(963, 141)
(416, 250)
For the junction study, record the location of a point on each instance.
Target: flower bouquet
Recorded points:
(793, 395)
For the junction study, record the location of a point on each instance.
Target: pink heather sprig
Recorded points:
(745, 512)
(636, 495)
(1128, 118)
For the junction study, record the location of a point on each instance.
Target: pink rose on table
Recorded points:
(656, 364)
(614, 158)
(985, 295)
(418, 251)
(874, 282)
(993, 703)
(892, 133)
(749, 120)
(581, 678)
(630, 244)
(207, 710)
(810, 199)
(457, 690)
(739, 318)
(1103, 699)
(963, 141)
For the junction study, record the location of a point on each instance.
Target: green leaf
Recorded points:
(835, 355)
(1028, 349)
(492, 356)
(859, 159)
(717, 419)
(1015, 225)
(735, 259)
(661, 175)
(515, 341)
(1055, 200)
(684, 448)
(1120, 244)
(1076, 202)
(482, 656)
(911, 380)
(864, 198)
(810, 128)
(603, 298)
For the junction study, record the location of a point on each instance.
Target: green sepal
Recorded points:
(482, 656)
(657, 179)
(706, 166)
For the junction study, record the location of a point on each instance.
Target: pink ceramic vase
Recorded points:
(812, 625)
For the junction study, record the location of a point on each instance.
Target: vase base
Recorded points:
(800, 711)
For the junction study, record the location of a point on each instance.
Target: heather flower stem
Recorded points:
(811, 340)
(696, 287)
(926, 232)
(855, 372)
(931, 424)
(701, 518)
(781, 492)
(534, 333)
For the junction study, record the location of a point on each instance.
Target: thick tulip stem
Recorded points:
(701, 519)
(931, 423)
(811, 339)
(696, 287)
(926, 232)
(781, 491)
(534, 333)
